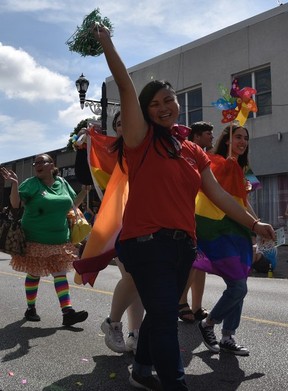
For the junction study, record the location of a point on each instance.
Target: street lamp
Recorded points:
(97, 107)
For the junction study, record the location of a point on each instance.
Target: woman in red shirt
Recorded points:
(158, 241)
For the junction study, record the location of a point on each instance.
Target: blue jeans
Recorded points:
(229, 307)
(160, 268)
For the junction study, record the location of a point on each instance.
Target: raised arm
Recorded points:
(134, 127)
(227, 204)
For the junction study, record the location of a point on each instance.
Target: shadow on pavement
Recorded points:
(17, 335)
(111, 373)
(225, 375)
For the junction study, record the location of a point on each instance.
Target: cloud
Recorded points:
(18, 137)
(21, 77)
(31, 5)
(73, 115)
(39, 101)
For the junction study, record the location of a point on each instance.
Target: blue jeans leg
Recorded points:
(160, 268)
(229, 307)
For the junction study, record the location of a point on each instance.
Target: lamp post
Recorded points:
(96, 106)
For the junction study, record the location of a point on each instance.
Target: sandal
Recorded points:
(201, 314)
(183, 313)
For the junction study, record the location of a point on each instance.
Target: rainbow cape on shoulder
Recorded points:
(224, 246)
(107, 175)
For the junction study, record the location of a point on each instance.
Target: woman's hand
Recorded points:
(100, 31)
(9, 175)
(14, 196)
(264, 230)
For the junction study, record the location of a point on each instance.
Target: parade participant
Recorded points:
(125, 295)
(157, 241)
(202, 135)
(46, 199)
(227, 246)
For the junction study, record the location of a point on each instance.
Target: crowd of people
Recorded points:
(164, 250)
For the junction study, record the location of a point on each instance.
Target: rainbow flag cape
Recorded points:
(107, 175)
(224, 246)
(99, 249)
(101, 161)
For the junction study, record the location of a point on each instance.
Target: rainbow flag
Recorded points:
(99, 249)
(253, 180)
(101, 161)
(224, 246)
(107, 175)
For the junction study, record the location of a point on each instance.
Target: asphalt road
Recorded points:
(45, 356)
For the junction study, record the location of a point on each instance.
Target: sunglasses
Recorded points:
(40, 163)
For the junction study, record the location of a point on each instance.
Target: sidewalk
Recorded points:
(281, 270)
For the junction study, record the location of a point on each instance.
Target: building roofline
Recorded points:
(283, 8)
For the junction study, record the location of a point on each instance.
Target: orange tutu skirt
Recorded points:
(45, 259)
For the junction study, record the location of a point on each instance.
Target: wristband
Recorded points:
(255, 222)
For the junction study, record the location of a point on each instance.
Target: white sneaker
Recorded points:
(113, 336)
(132, 340)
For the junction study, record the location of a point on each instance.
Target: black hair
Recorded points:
(197, 128)
(222, 145)
(114, 122)
(118, 145)
(160, 133)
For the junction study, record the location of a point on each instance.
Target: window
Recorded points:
(270, 202)
(260, 80)
(190, 106)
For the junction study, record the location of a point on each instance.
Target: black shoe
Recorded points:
(209, 338)
(145, 382)
(71, 317)
(201, 314)
(31, 315)
(229, 345)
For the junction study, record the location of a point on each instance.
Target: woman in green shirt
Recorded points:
(47, 199)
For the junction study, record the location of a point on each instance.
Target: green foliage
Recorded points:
(83, 41)
(81, 124)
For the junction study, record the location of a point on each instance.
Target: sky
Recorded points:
(39, 103)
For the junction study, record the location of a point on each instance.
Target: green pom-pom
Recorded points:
(83, 41)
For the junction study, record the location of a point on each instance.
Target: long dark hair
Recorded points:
(222, 145)
(160, 133)
(118, 144)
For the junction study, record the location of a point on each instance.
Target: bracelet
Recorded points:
(255, 222)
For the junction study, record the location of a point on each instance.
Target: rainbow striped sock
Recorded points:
(31, 289)
(63, 293)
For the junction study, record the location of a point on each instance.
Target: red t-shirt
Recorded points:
(162, 190)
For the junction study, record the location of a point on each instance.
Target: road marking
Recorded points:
(264, 321)
(71, 285)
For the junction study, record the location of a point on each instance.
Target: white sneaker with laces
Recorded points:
(113, 336)
(132, 340)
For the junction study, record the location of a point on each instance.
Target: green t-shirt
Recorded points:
(44, 219)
